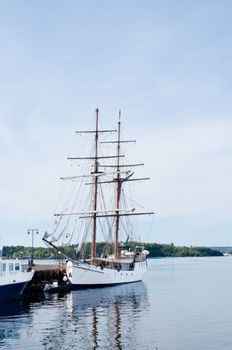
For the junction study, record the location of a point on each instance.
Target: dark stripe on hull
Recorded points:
(87, 286)
(12, 291)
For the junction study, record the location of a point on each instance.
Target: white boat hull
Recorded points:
(82, 275)
(13, 283)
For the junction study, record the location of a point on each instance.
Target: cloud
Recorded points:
(190, 164)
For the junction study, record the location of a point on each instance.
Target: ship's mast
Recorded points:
(118, 190)
(93, 248)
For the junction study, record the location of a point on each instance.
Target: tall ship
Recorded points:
(13, 279)
(96, 221)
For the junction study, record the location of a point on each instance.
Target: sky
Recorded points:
(165, 63)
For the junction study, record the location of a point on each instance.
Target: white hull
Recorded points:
(84, 275)
(13, 282)
(14, 278)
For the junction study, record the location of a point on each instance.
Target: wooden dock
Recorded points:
(44, 273)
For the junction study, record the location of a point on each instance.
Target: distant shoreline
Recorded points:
(156, 250)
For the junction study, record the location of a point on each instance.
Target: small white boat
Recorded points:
(13, 280)
(56, 287)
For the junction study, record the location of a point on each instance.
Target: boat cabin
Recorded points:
(10, 266)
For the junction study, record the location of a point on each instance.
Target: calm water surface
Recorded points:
(183, 303)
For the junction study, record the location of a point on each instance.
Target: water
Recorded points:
(183, 303)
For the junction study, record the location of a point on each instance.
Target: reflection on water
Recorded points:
(110, 311)
(99, 318)
(12, 308)
(186, 305)
(13, 316)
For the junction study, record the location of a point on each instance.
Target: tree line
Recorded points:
(156, 250)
